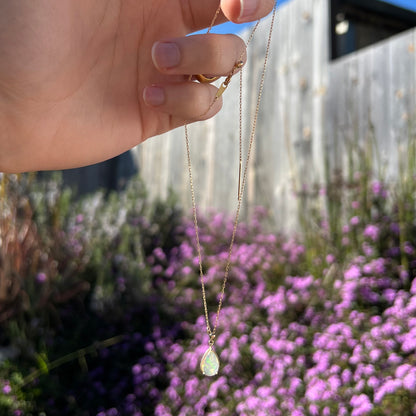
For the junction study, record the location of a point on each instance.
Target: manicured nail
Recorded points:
(248, 8)
(154, 95)
(166, 55)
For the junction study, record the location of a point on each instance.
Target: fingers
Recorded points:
(240, 11)
(187, 101)
(198, 14)
(199, 54)
(179, 58)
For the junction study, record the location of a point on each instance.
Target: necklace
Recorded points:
(210, 362)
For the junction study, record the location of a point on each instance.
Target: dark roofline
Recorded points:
(388, 9)
(393, 16)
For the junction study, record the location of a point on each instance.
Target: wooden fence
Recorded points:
(372, 99)
(310, 108)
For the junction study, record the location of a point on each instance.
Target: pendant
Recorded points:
(210, 363)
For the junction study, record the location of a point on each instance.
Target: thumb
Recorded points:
(240, 11)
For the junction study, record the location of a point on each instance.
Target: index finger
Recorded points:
(198, 14)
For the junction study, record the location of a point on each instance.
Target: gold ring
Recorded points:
(204, 79)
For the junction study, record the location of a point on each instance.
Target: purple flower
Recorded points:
(361, 405)
(346, 376)
(41, 278)
(172, 394)
(186, 270)
(368, 249)
(354, 272)
(378, 189)
(300, 283)
(409, 380)
(393, 358)
(259, 353)
(159, 254)
(408, 248)
(253, 403)
(137, 369)
(378, 265)
(314, 409)
(413, 287)
(342, 411)
(7, 389)
(395, 228)
(375, 354)
(409, 341)
(402, 370)
(158, 269)
(375, 320)
(162, 410)
(334, 383)
(316, 390)
(389, 387)
(355, 220)
(373, 382)
(295, 383)
(330, 258)
(368, 294)
(404, 275)
(389, 295)
(264, 392)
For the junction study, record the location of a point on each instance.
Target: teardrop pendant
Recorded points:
(210, 363)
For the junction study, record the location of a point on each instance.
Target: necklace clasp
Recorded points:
(224, 85)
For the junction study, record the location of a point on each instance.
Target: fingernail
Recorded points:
(166, 55)
(248, 8)
(154, 95)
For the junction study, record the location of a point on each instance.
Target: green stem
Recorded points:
(79, 354)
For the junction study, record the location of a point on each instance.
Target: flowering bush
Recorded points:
(340, 343)
(321, 323)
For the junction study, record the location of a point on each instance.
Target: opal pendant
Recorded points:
(210, 363)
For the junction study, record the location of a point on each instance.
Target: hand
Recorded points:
(82, 81)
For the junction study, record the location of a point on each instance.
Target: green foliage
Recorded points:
(68, 265)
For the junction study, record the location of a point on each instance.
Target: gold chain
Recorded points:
(241, 184)
(217, 12)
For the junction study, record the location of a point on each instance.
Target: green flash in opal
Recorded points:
(210, 363)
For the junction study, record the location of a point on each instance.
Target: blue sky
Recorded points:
(232, 28)
(407, 4)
